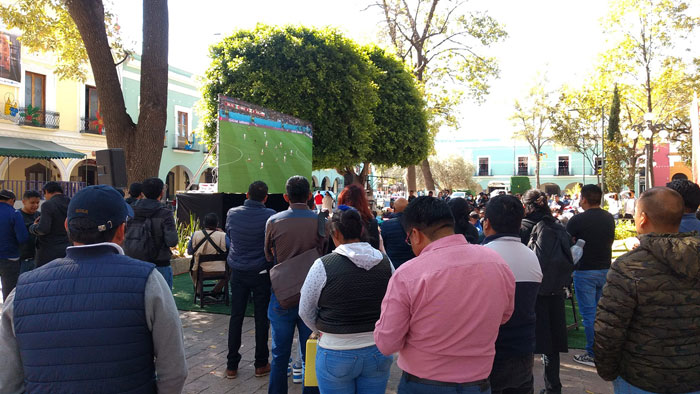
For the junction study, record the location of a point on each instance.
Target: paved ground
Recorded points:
(206, 346)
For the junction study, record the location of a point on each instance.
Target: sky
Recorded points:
(558, 39)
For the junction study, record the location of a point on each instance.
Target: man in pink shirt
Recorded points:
(442, 310)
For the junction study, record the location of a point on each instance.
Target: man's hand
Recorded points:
(36, 221)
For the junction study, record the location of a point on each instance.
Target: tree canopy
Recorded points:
(362, 102)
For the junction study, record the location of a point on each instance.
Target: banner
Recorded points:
(10, 53)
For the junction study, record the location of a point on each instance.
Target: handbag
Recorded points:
(288, 277)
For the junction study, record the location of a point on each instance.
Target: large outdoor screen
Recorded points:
(257, 143)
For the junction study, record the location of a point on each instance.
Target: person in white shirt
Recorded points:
(630, 203)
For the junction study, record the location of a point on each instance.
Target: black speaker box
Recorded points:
(111, 167)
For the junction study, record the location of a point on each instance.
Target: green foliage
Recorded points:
(184, 234)
(614, 119)
(401, 136)
(625, 229)
(360, 111)
(575, 190)
(47, 27)
(519, 184)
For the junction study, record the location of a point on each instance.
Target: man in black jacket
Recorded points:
(50, 229)
(162, 228)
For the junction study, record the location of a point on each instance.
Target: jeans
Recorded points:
(26, 265)
(621, 386)
(512, 374)
(588, 286)
(9, 273)
(167, 273)
(242, 283)
(283, 321)
(552, 364)
(406, 387)
(362, 371)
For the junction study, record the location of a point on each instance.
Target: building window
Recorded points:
(92, 122)
(182, 129)
(598, 165)
(563, 165)
(483, 166)
(35, 90)
(522, 166)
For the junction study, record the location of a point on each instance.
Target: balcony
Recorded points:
(35, 117)
(484, 172)
(182, 144)
(19, 186)
(523, 171)
(564, 171)
(91, 126)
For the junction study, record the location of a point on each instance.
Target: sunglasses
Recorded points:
(408, 237)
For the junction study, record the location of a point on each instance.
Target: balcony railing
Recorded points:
(483, 172)
(564, 171)
(182, 143)
(91, 126)
(523, 171)
(29, 116)
(19, 187)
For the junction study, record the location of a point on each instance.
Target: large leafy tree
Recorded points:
(363, 104)
(445, 44)
(81, 30)
(532, 119)
(645, 57)
(451, 172)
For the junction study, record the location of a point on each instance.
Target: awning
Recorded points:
(36, 149)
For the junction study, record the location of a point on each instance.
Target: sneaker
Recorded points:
(297, 376)
(585, 359)
(231, 373)
(289, 368)
(262, 371)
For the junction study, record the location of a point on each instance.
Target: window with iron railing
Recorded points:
(483, 166)
(522, 166)
(563, 165)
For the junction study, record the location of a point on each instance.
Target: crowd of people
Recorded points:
(465, 290)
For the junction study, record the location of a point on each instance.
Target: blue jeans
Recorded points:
(362, 371)
(588, 286)
(282, 323)
(167, 273)
(406, 387)
(621, 386)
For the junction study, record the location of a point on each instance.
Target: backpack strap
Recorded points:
(196, 248)
(207, 237)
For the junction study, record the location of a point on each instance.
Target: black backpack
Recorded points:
(142, 239)
(552, 245)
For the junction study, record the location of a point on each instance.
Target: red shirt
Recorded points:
(318, 199)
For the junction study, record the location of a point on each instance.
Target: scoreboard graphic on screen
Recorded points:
(257, 143)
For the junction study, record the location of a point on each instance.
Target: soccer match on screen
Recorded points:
(258, 143)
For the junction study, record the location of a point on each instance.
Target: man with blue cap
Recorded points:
(95, 321)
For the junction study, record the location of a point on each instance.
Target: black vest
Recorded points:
(351, 300)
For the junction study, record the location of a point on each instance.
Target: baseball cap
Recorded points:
(7, 194)
(102, 204)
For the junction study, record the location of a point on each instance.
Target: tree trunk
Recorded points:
(142, 144)
(411, 178)
(427, 175)
(537, 171)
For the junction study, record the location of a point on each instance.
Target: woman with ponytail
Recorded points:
(341, 299)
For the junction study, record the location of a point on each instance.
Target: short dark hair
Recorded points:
(31, 194)
(663, 206)
(592, 193)
(152, 188)
(211, 220)
(505, 214)
(690, 192)
(53, 187)
(349, 223)
(135, 189)
(297, 189)
(84, 231)
(257, 191)
(427, 213)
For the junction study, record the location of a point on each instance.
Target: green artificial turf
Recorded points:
(240, 157)
(183, 292)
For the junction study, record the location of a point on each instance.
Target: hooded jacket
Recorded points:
(167, 236)
(647, 327)
(343, 291)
